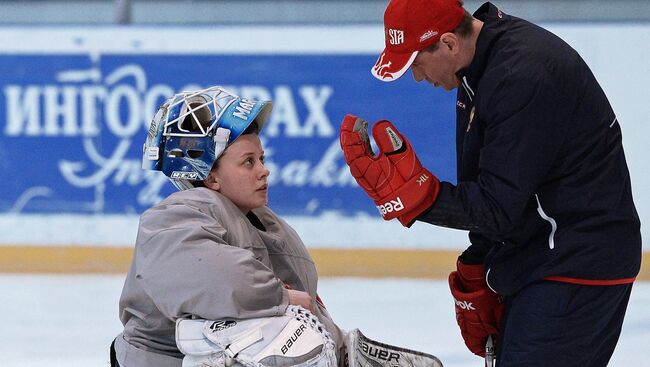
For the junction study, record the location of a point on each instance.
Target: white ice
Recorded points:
(69, 321)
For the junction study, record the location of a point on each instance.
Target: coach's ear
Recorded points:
(450, 43)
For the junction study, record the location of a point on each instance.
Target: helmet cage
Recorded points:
(202, 108)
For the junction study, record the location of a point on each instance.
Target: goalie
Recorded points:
(217, 278)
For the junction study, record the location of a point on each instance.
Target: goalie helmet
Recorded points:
(190, 130)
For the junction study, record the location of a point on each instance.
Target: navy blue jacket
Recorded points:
(543, 186)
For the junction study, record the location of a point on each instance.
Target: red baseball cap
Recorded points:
(410, 26)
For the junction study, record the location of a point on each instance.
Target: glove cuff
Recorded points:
(411, 199)
(470, 273)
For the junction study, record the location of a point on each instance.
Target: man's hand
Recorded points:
(478, 309)
(394, 178)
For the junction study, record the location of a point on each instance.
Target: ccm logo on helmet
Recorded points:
(391, 206)
(185, 175)
(464, 305)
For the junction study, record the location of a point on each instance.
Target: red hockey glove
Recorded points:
(478, 309)
(394, 178)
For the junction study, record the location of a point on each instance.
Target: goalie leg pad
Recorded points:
(365, 352)
(294, 339)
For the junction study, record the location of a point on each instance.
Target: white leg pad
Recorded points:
(294, 339)
(365, 352)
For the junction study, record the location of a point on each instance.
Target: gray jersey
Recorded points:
(198, 256)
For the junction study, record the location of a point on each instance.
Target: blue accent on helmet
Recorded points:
(239, 115)
(182, 140)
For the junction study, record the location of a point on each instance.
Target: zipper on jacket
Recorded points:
(468, 89)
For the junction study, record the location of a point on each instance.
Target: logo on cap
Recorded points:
(428, 34)
(381, 67)
(396, 36)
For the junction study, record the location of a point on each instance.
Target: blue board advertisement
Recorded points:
(72, 126)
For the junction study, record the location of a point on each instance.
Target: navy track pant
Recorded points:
(558, 324)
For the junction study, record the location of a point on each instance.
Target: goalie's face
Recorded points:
(240, 174)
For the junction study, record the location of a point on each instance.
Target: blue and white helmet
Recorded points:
(191, 130)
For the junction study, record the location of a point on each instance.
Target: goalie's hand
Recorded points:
(478, 309)
(300, 298)
(394, 178)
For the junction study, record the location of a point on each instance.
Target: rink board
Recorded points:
(341, 262)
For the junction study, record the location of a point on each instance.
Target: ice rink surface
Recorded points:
(71, 320)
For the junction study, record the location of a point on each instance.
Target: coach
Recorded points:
(543, 186)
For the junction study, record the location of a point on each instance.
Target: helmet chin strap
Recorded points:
(220, 141)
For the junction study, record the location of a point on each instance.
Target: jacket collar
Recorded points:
(494, 21)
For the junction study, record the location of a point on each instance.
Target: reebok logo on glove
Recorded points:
(465, 305)
(391, 206)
